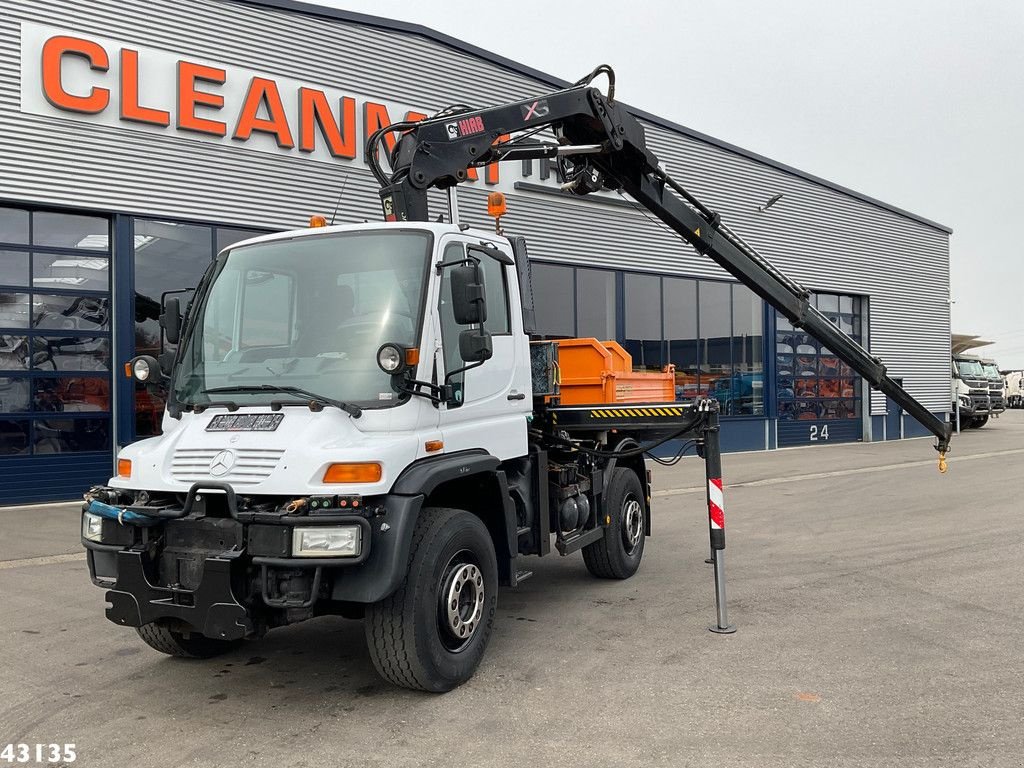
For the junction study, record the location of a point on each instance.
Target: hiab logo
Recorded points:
(466, 127)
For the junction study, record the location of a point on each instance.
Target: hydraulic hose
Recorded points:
(123, 516)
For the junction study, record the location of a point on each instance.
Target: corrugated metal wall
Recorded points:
(820, 236)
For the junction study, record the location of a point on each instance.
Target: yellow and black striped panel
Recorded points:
(639, 412)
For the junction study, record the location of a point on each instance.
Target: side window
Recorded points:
(449, 329)
(496, 290)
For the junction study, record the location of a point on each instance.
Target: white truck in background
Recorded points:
(970, 392)
(996, 387)
(1014, 382)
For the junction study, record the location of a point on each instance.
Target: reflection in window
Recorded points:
(71, 394)
(14, 437)
(14, 226)
(553, 300)
(643, 321)
(66, 230)
(226, 236)
(69, 312)
(71, 353)
(14, 312)
(715, 318)
(64, 435)
(14, 354)
(15, 394)
(680, 311)
(595, 315)
(14, 268)
(71, 272)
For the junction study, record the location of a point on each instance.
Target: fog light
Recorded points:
(92, 527)
(327, 541)
(391, 359)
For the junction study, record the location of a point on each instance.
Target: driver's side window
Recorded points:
(449, 329)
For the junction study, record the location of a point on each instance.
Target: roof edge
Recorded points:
(394, 25)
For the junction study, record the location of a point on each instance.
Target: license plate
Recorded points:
(245, 422)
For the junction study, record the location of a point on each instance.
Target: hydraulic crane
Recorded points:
(600, 145)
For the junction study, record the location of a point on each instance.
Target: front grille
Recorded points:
(248, 465)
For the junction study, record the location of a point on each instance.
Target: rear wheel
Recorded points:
(618, 554)
(431, 633)
(185, 646)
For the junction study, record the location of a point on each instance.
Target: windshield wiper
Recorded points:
(354, 411)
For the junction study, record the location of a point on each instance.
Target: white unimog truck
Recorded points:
(357, 421)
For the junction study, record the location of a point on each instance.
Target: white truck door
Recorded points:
(492, 399)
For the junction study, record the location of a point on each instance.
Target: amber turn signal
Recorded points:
(412, 356)
(433, 445)
(318, 221)
(124, 467)
(362, 472)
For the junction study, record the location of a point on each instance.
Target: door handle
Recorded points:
(516, 396)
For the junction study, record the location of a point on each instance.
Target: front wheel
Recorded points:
(979, 421)
(431, 633)
(617, 555)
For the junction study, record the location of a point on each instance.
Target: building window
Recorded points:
(169, 257)
(812, 383)
(55, 385)
(596, 316)
(553, 300)
(643, 337)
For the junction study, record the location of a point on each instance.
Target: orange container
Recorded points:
(592, 372)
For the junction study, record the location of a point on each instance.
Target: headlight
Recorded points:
(327, 541)
(92, 527)
(391, 358)
(145, 368)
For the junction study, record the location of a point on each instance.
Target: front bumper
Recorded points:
(225, 577)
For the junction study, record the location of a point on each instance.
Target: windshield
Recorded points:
(308, 312)
(991, 371)
(970, 368)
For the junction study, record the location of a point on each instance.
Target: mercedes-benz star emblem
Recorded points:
(221, 464)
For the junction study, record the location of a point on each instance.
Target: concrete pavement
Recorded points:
(880, 611)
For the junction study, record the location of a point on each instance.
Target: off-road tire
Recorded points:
(195, 646)
(613, 556)
(409, 641)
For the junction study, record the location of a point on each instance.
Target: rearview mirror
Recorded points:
(475, 346)
(170, 320)
(468, 304)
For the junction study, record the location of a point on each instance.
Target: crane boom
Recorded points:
(601, 145)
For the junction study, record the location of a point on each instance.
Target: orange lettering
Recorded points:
(376, 116)
(189, 98)
(314, 110)
(54, 51)
(264, 92)
(130, 107)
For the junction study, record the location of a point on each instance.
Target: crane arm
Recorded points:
(601, 145)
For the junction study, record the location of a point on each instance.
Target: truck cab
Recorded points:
(996, 387)
(970, 391)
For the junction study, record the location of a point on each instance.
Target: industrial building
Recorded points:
(139, 138)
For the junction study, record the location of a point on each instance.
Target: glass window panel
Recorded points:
(643, 321)
(496, 292)
(72, 313)
(71, 272)
(14, 312)
(14, 437)
(805, 387)
(715, 326)
(828, 302)
(846, 304)
(65, 230)
(14, 268)
(268, 310)
(553, 300)
(71, 353)
(15, 394)
(14, 226)
(71, 394)
(14, 354)
(168, 257)
(596, 315)
(679, 313)
(71, 435)
(226, 237)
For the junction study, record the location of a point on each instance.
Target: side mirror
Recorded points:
(475, 346)
(468, 304)
(170, 320)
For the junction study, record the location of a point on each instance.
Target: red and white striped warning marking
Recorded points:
(716, 504)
